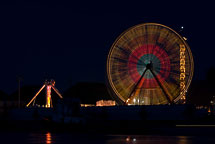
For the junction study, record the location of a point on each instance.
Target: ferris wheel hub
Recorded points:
(149, 66)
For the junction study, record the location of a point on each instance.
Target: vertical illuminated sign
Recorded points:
(182, 70)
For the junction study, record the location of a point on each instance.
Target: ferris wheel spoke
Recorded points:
(123, 50)
(173, 80)
(127, 52)
(164, 70)
(156, 41)
(137, 43)
(173, 48)
(165, 41)
(158, 54)
(120, 60)
(176, 73)
(137, 63)
(126, 61)
(142, 63)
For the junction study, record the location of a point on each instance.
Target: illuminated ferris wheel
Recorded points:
(150, 64)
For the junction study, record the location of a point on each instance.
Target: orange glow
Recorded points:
(48, 138)
(87, 105)
(209, 110)
(127, 139)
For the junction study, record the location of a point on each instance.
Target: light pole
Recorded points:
(19, 91)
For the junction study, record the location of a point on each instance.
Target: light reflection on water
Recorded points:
(141, 139)
(52, 138)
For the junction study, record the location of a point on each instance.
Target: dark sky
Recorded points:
(70, 41)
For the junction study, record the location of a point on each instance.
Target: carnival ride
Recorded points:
(150, 64)
(48, 85)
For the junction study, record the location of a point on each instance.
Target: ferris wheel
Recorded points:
(150, 64)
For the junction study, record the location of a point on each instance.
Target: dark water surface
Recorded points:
(51, 138)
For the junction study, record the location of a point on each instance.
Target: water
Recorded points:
(52, 138)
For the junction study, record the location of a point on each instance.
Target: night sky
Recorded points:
(70, 42)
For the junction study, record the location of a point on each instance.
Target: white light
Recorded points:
(182, 27)
(134, 100)
(134, 139)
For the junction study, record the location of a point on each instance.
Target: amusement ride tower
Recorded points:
(49, 85)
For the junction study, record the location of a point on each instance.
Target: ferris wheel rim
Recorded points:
(141, 25)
